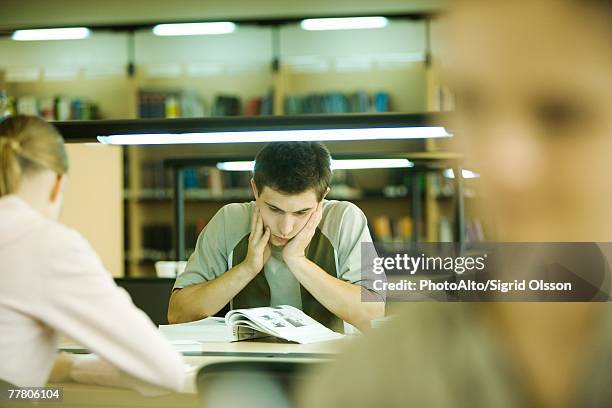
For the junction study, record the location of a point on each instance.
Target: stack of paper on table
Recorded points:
(189, 336)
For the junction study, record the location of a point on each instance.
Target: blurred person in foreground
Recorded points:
(533, 84)
(52, 282)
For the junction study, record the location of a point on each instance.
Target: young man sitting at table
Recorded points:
(289, 246)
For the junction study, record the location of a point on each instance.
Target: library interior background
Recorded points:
(123, 198)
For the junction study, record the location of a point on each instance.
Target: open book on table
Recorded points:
(285, 322)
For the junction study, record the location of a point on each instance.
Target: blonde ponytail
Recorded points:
(9, 167)
(28, 144)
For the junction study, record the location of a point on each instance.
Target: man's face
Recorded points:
(285, 214)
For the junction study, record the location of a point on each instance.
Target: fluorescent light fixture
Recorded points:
(335, 164)
(221, 27)
(371, 164)
(236, 166)
(420, 132)
(466, 174)
(343, 23)
(72, 33)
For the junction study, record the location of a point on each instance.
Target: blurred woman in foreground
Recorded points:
(533, 84)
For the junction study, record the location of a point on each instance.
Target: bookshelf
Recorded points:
(240, 66)
(119, 98)
(114, 97)
(206, 90)
(405, 86)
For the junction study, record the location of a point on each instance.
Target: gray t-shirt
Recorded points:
(343, 225)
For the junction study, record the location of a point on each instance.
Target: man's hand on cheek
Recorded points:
(258, 251)
(296, 247)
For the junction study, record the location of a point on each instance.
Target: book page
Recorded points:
(284, 321)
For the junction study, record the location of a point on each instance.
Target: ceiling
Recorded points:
(47, 13)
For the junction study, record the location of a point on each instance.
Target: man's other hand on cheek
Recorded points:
(296, 247)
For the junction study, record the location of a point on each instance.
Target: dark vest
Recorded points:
(257, 292)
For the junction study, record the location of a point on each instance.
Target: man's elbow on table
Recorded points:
(186, 305)
(178, 308)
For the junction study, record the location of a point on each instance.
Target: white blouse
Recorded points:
(52, 281)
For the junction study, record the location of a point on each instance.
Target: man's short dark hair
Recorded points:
(293, 167)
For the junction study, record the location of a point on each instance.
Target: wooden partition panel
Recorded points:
(93, 204)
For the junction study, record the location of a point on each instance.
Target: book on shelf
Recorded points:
(57, 107)
(267, 105)
(189, 104)
(382, 102)
(158, 239)
(200, 183)
(151, 105)
(210, 183)
(381, 227)
(359, 102)
(169, 104)
(336, 102)
(402, 228)
(387, 229)
(226, 105)
(253, 107)
(155, 181)
(215, 182)
(284, 322)
(157, 242)
(261, 105)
